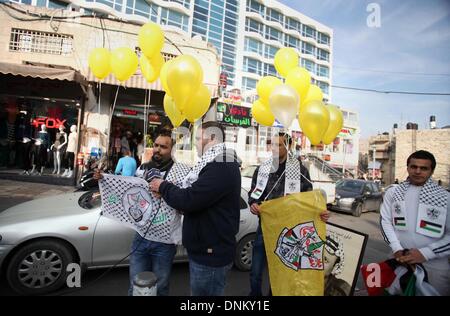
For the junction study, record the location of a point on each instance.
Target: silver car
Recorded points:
(39, 238)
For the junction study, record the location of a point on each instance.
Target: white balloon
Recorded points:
(284, 103)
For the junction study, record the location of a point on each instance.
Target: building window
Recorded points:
(248, 83)
(115, 4)
(274, 15)
(308, 49)
(40, 42)
(269, 70)
(169, 17)
(323, 38)
(270, 51)
(323, 55)
(273, 34)
(254, 26)
(309, 65)
(322, 71)
(291, 41)
(252, 45)
(323, 86)
(184, 3)
(252, 65)
(308, 31)
(255, 6)
(292, 24)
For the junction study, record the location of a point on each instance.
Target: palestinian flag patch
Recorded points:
(432, 227)
(399, 221)
(257, 193)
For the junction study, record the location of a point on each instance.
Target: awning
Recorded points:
(138, 81)
(42, 72)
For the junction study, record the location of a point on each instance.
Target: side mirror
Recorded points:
(367, 193)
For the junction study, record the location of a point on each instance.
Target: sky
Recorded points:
(409, 51)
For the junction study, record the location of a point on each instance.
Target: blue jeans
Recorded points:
(259, 263)
(206, 280)
(155, 257)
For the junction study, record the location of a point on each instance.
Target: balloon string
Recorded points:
(99, 95)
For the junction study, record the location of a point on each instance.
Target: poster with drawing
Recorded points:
(344, 250)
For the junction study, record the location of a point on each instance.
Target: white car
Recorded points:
(39, 238)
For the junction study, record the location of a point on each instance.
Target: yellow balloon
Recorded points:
(151, 68)
(100, 62)
(124, 63)
(335, 126)
(314, 120)
(151, 39)
(265, 86)
(314, 94)
(172, 112)
(299, 79)
(285, 59)
(184, 76)
(198, 105)
(262, 114)
(163, 76)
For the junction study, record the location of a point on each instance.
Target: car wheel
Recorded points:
(39, 267)
(244, 251)
(358, 210)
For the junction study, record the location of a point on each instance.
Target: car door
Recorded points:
(112, 242)
(367, 197)
(377, 197)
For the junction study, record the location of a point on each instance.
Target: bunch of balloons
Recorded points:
(283, 101)
(182, 78)
(186, 95)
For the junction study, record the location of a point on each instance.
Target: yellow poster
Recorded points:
(294, 238)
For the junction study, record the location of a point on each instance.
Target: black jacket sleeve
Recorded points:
(306, 185)
(254, 179)
(215, 181)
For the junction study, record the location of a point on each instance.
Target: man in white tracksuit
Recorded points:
(415, 216)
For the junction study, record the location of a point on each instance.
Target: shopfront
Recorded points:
(39, 124)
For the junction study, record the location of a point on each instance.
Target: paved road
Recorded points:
(116, 281)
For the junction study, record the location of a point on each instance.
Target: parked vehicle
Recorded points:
(39, 238)
(357, 196)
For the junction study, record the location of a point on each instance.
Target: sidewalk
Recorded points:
(16, 192)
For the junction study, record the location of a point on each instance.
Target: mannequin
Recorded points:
(41, 147)
(59, 149)
(27, 154)
(71, 150)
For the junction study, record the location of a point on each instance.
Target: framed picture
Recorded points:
(344, 251)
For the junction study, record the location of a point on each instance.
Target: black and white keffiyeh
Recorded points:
(128, 200)
(211, 154)
(432, 212)
(292, 176)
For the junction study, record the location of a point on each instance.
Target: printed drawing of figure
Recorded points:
(334, 264)
(138, 206)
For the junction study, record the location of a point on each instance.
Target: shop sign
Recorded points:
(233, 115)
(130, 112)
(232, 97)
(223, 80)
(49, 122)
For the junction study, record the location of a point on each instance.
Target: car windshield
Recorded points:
(353, 186)
(90, 200)
(248, 171)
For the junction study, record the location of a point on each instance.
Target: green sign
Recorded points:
(234, 115)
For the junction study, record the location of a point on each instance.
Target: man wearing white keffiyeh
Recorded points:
(209, 199)
(415, 221)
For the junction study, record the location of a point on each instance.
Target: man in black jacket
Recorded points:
(209, 200)
(271, 181)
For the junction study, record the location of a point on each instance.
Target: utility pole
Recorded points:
(374, 149)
